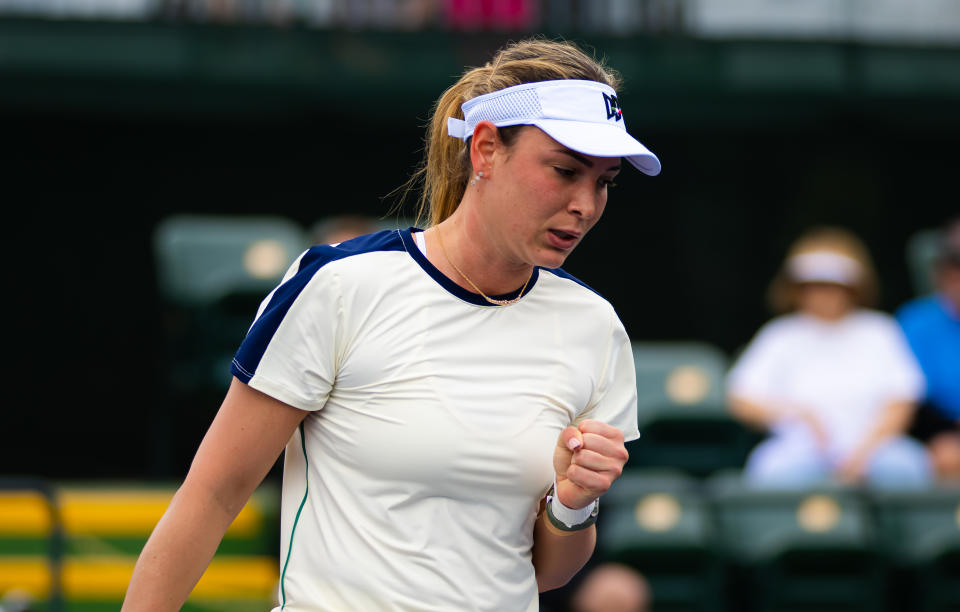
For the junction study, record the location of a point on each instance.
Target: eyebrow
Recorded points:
(583, 160)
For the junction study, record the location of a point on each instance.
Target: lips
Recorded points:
(563, 239)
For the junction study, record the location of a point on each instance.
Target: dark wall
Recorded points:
(685, 255)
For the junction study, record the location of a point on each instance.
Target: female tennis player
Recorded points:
(452, 404)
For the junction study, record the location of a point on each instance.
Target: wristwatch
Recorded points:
(570, 519)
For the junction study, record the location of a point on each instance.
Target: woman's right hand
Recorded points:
(587, 460)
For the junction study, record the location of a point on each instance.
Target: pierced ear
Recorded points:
(483, 145)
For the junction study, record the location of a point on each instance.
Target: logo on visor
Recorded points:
(613, 107)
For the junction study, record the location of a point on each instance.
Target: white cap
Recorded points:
(584, 116)
(824, 267)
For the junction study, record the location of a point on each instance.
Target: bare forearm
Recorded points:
(178, 551)
(557, 558)
(244, 440)
(587, 460)
(753, 413)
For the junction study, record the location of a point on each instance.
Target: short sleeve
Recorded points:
(615, 399)
(755, 373)
(290, 351)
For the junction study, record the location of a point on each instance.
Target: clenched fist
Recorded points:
(587, 459)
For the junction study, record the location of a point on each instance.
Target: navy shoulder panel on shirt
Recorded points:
(318, 256)
(255, 344)
(560, 272)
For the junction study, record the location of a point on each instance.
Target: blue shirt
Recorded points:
(933, 331)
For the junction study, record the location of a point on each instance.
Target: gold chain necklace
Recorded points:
(477, 289)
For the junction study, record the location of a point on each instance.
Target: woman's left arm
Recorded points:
(587, 460)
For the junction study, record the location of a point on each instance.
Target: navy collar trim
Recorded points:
(467, 296)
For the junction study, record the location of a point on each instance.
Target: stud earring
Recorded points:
(476, 178)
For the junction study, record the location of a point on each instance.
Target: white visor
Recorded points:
(584, 116)
(824, 267)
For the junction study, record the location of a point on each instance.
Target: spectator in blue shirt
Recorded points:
(932, 326)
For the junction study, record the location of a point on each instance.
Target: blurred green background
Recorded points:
(118, 116)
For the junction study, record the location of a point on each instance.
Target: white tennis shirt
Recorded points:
(414, 483)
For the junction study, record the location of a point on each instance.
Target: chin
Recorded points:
(553, 260)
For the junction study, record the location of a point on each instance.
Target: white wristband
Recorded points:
(570, 516)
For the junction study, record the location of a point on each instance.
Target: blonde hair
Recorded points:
(446, 163)
(783, 292)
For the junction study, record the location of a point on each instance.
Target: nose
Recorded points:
(587, 201)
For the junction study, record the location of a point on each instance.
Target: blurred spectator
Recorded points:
(338, 228)
(351, 14)
(417, 14)
(932, 327)
(385, 14)
(834, 383)
(612, 587)
(624, 16)
(492, 14)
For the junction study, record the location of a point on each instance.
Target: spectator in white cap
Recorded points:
(451, 402)
(833, 382)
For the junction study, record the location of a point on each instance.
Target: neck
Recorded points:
(828, 317)
(468, 245)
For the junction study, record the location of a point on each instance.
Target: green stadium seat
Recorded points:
(203, 259)
(212, 273)
(681, 405)
(919, 537)
(657, 522)
(797, 549)
(684, 374)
